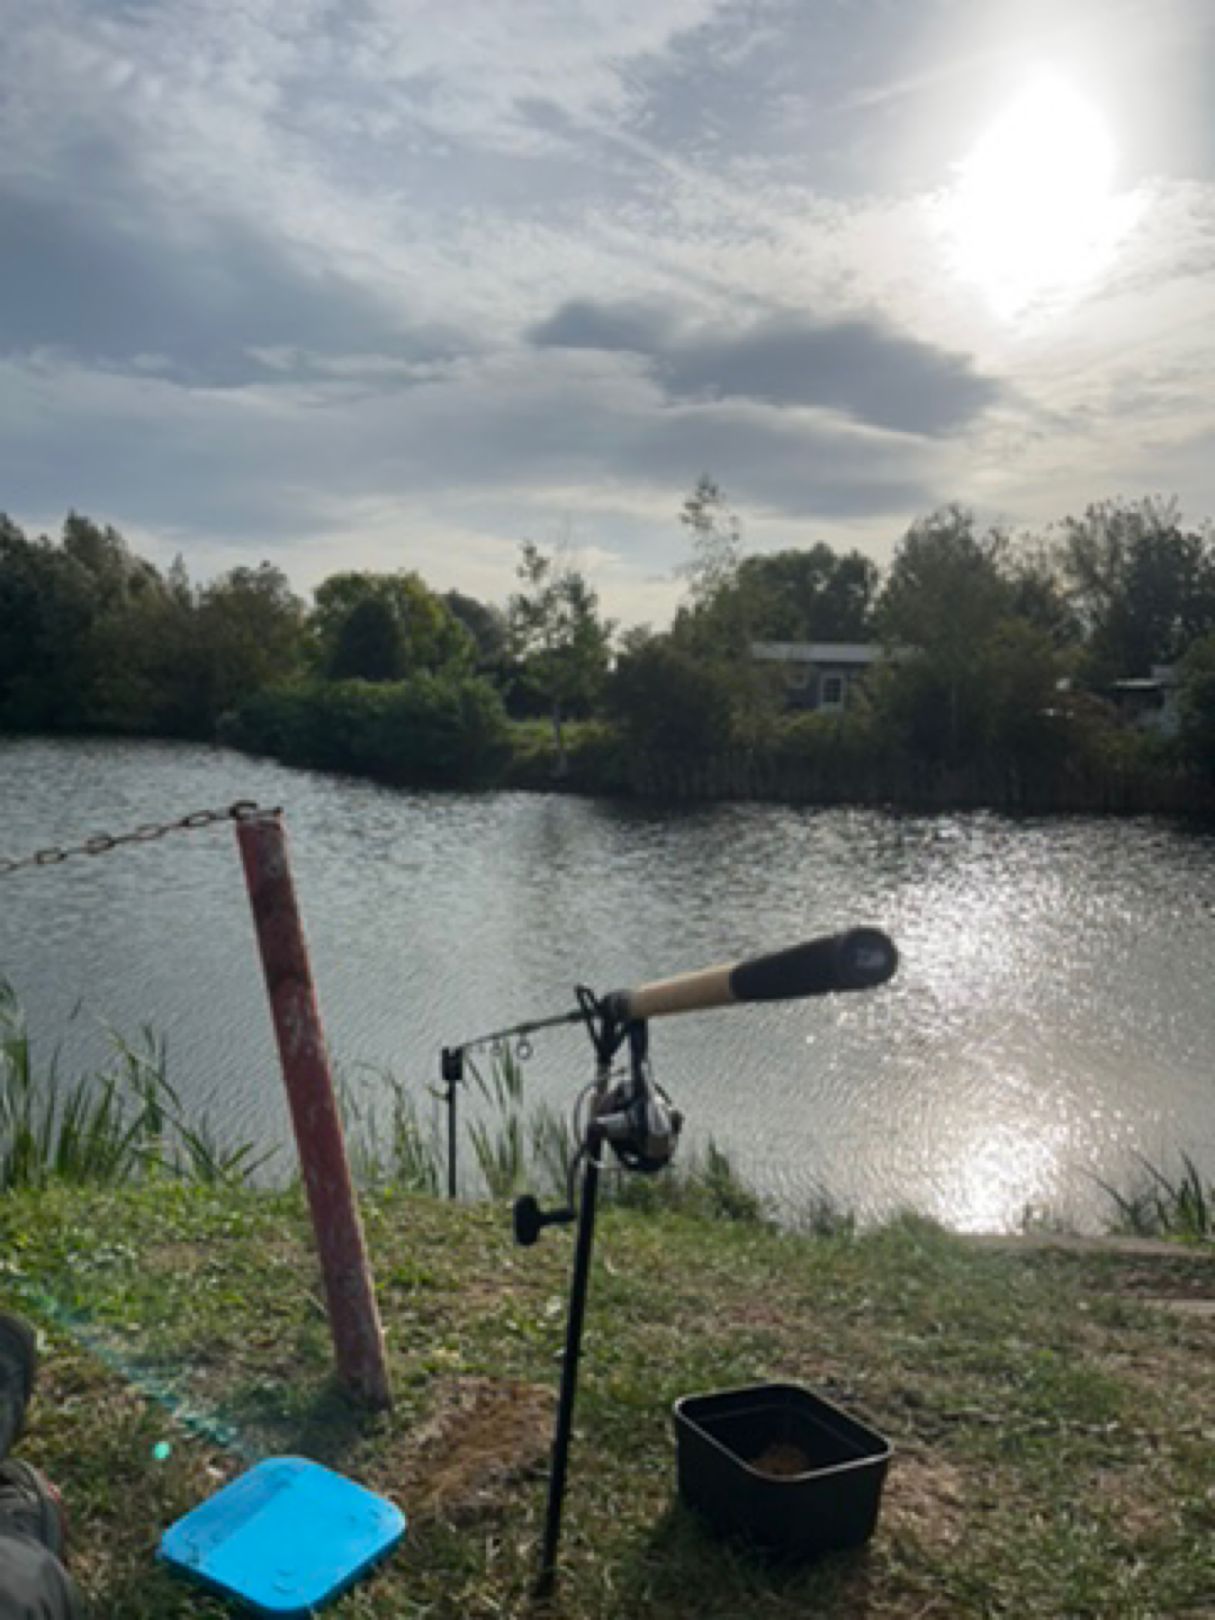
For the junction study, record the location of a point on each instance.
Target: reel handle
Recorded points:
(530, 1220)
(857, 959)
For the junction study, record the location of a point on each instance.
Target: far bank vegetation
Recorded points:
(1001, 662)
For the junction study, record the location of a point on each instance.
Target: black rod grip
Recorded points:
(858, 959)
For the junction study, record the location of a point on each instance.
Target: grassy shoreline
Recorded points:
(1053, 1430)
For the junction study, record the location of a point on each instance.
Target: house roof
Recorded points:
(817, 652)
(1162, 678)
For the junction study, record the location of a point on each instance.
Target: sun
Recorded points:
(1033, 216)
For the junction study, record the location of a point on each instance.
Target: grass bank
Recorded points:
(1054, 1429)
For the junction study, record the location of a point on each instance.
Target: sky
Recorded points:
(401, 283)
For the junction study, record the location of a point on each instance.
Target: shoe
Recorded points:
(31, 1506)
(18, 1364)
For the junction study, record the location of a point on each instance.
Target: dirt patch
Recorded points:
(1182, 1285)
(764, 1316)
(175, 1258)
(1133, 1248)
(926, 1497)
(1122, 1489)
(1178, 1280)
(485, 1434)
(1198, 1310)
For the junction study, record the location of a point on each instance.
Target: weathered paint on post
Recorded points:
(354, 1318)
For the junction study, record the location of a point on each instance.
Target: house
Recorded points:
(819, 674)
(1150, 701)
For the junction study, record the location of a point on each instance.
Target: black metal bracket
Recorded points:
(453, 1076)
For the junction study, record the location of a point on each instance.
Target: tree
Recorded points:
(715, 532)
(371, 644)
(428, 637)
(558, 636)
(809, 595)
(72, 651)
(1196, 705)
(712, 622)
(30, 651)
(1040, 595)
(485, 623)
(943, 600)
(250, 633)
(115, 574)
(978, 650)
(670, 702)
(1143, 586)
(946, 587)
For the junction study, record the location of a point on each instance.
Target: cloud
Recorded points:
(295, 276)
(859, 366)
(800, 466)
(266, 458)
(583, 324)
(113, 277)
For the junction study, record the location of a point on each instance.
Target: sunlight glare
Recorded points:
(1033, 215)
(1002, 1173)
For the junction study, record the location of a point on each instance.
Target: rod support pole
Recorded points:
(569, 1377)
(354, 1317)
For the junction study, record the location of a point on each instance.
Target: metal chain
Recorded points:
(102, 843)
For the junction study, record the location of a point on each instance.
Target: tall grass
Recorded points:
(116, 1125)
(126, 1121)
(500, 1143)
(389, 1145)
(516, 1145)
(703, 1182)
(1164, 1205)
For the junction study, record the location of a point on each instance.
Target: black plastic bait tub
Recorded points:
(781, 1468)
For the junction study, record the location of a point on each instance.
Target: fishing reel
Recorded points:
(633, 1115)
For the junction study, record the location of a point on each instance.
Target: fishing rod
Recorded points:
(626, 1111)
(857, 959)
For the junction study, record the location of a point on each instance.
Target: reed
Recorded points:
(116, 1125)
(1180, 1205)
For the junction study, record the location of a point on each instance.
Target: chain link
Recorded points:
(102, 843)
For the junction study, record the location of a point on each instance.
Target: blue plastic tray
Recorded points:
(286, 1538)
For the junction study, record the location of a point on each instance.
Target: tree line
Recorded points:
(1002, 656)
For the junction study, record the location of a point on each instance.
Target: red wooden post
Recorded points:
(354, 1318)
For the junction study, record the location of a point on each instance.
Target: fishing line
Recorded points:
(156, 1390)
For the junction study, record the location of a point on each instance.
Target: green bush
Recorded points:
(1197, 706)
(432, 729)
(672, 704)
(845, 753)
(807, 739)
(594, 749)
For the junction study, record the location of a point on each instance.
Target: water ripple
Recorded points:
(1051, 1019)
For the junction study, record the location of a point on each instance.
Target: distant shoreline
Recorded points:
(600, 767)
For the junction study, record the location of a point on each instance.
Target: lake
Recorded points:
(1052, 1020)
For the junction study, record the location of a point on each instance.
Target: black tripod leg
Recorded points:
(452, 1178)
(569, 1377)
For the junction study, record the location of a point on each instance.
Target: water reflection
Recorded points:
(1050, 1020)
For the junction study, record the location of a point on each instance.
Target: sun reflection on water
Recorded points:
(1002, 1173)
